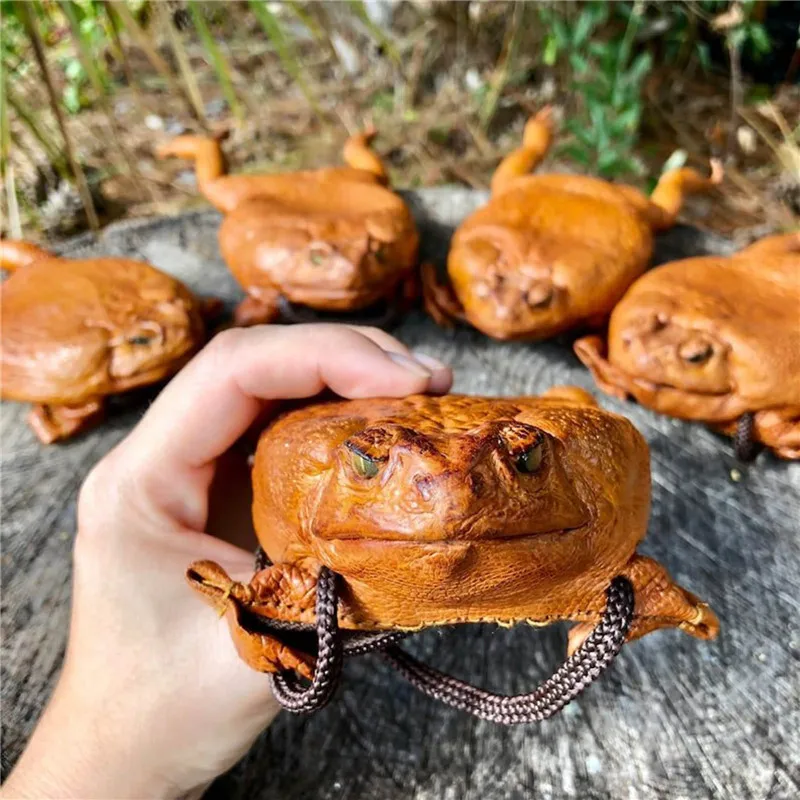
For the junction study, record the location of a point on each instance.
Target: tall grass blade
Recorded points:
(504, 66)
(14, 221)
(24, 10)
(284, 48)
(379, 35)
(38, 131)
(119, 48)
(133, 28)
(89, 65)
(182, 57)
(218, 61)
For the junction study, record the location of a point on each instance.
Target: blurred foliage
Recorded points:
(604, 47)
(607, 76)
(602, 53)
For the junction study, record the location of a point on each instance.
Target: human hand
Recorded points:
(153, 700)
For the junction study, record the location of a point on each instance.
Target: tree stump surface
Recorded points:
(674, 717)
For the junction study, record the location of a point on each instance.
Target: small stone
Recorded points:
(746, 137)
(473, 80)
(154, 122)
(174, 127)
(215, 107)
(736, 475)
(186, 178)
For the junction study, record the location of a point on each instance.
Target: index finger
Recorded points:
(212, 402)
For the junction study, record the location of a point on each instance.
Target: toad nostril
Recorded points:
(476, 484)
(424, 485)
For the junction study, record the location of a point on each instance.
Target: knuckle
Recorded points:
(222, 348)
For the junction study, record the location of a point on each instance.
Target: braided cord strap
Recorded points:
(744, 444)
(586, 664)
(330, 656)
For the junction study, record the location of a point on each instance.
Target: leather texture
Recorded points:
(710, 339)
(334, 239)
(75, 331)
(471, 509)
(549, 253)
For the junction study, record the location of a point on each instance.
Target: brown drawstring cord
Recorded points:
(586, 664)
(744, 443)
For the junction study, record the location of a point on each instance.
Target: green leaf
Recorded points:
(579, 63)
(550, 51)
(72, 100)
(576, 153)
(703, 56)
(74, 70)
(628, 120)
(561, 33)
(641, 65)
(583, 27)
(760, 38)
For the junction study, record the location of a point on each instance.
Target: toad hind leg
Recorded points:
(358, 155)
(535, 143)
(54, 423)
(672, 189)
(659, 603)
(439, 301)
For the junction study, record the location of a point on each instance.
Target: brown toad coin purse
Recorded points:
(380, 518)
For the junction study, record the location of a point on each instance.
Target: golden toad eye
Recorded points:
(531, 459)
(380, 254)
(140, 340)
(365, 467)
(696, 351)
(317, 257)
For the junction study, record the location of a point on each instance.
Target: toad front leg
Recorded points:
(53, 423)
(258, 308)
(439, 301)
(775, 428)
(276, 594)
(659, 603)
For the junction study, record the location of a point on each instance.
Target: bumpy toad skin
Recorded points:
(552, 252)
(711, 339)
(75, 331)
(332, 239)
(437, 510)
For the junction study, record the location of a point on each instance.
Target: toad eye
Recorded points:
(696, 352)
(365, 467)
(380, 254)
(140, 339)
(530, 460)
(540, 295)
(317, 257)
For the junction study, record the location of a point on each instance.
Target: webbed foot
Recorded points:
(659, 603)
(440, 301)
(261, 310)
(257, 611)
(53, 423)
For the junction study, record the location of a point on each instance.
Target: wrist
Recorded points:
(72, 755)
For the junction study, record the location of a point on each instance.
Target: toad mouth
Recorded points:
(487, 539)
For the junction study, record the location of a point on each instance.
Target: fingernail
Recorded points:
(410, 364)
(433, 364)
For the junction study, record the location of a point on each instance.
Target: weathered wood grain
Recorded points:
(673, 717)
